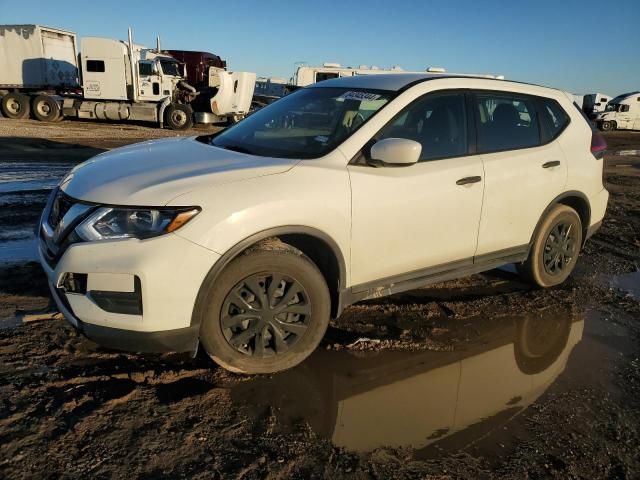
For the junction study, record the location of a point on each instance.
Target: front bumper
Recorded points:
(170, 270)
(177, 340)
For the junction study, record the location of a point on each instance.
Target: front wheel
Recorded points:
(267, 311)
(179, 116)
(555, 248)
(608, 126)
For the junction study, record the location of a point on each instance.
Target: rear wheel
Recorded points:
(179, 116)
(555, 248)
(267, 311)
(15, 105)
(45, 109)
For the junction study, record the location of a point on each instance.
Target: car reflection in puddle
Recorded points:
(421, 400)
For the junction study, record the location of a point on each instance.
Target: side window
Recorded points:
(320, 76)
(506, 123)
(624, 108)
(553, 118)
(145, 69)
(95, 66)
(438, 122)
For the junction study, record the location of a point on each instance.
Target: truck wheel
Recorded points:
(608, 126)
(15, 105)
(267, 311)
(555, 248)
(45, 108)
(179, 116)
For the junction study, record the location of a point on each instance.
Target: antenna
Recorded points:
(158, 44)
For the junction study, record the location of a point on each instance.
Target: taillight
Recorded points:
(598, 144)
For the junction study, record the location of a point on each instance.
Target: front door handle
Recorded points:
(554, 163)
(468, 180)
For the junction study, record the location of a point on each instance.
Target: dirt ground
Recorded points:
(484, 377)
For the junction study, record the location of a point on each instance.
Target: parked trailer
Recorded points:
(307, 75)
(36, 62)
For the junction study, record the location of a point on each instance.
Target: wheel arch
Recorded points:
(574, 199)
(321, 248)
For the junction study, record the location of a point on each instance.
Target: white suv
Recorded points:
(249, 241)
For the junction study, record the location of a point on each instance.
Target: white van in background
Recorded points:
(623, 113)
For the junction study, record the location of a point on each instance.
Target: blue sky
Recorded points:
(580, 46)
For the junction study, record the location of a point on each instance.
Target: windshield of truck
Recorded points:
(308, 123)
(170, 67)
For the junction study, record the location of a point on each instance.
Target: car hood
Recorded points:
(153, 173)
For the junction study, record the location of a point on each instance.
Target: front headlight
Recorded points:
(110, 223)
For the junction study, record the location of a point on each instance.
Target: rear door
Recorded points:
(525, 168)
(408, 219)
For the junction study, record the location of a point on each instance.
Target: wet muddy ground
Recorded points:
(483, 377)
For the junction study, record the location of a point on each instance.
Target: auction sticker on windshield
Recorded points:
(353, 95)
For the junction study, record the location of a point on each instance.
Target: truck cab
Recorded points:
(622, 113)
(107, 71)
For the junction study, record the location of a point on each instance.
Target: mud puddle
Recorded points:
(628, 282)
(18, 251)
(36, 175)
(627, 153)
(439, 402)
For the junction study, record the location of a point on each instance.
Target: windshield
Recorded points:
(308, 123)
(170, 67)
(613, 107)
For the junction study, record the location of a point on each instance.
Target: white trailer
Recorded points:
(307, 75)
(47, 57)
(622, 113)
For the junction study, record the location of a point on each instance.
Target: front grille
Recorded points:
(60, 206)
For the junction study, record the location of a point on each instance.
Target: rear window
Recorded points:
(506, 122)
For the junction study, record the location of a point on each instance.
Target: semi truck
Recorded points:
(108, 80)
(221, 95)
(622, 113)
(595, 103)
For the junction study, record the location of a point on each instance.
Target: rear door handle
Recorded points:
(554, 163)
(468, 180)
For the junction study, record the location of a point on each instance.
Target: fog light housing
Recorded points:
(74, 283)
(126, 303)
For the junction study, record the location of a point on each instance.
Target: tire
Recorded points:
(551, 261)
(239, 328)
(45, 109)
(15, 105)
(607, 126)
(179, 116)
(540, 340)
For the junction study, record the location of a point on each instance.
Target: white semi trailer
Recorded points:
(109, 80)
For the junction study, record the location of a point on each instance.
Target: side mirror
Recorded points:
(395, 152)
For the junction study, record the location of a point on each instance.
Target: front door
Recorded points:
(424, 217)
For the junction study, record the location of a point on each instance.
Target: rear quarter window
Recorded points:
(553, 119)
